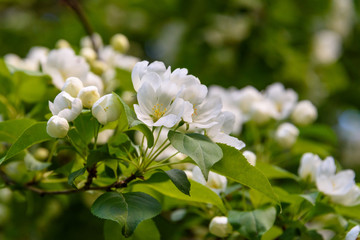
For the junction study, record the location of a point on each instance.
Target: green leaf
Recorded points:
(348, 211)
(141, 206)
(128, 209)
(86, 125)
(74, 175)
(198, 147)
(274, 172)
(235, 166)
(179, 178)
(95, 156)
(10, 130)
(34, 165)
(31, 86)
(111, 206)
(146, 230)
(253, 224)
(161, 183)
(36, 133)
(129, 121)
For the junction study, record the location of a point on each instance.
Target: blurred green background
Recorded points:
(309, 45)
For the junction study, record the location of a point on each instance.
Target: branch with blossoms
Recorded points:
(169, 137)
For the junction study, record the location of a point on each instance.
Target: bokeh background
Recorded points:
(312, 46)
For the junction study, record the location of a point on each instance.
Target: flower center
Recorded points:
(158, 111)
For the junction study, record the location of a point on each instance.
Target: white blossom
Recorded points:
(220, 132)
(66, 106)
(304, 113)
(220, 227)
(143, 68)
(327, 46)
(215, 182)
(158, 104)
(263, 111)
(284, 99)
(250, 157)
(333, 184)
(286, 135)
(62, 64)
(94, 80)
(308, 166)
(57, 127)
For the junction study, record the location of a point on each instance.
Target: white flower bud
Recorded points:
(120, 43)
(89, 95)
(99, 67)
(57, 127)
(353, 233)
(72, 86)
(304, 113)
(286, 135)
(107, 109)
(220, 226)
(88, 53)
(250, 157)
(62, 43)
(263, 111)
(41, 153)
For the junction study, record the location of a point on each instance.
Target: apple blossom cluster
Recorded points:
(167, 99)
(69, 103)
(275, 103)
(93, 68)
(339, 186)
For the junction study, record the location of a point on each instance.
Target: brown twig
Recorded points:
(30, 186)
(74, 5)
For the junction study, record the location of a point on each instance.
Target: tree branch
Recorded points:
(75, 6)
(30, 186)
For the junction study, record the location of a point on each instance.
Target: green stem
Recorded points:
(53, 149)
(156, 140)
(96, 134)
(162, 165)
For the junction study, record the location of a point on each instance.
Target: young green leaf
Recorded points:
(180, 180)
(10, 130)
(36, 133)
(235, 166)
(141, 206)
(74, 175)
(86, 125)
(32, 86)
(198, 147)
(253, 224)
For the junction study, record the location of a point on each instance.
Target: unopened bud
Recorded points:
(57, 127)
(72, 86)
(304, 113)
(62, 43)
(89, 95)
(88, 53)
(286, 135)
(120, 43)
(220, 226)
